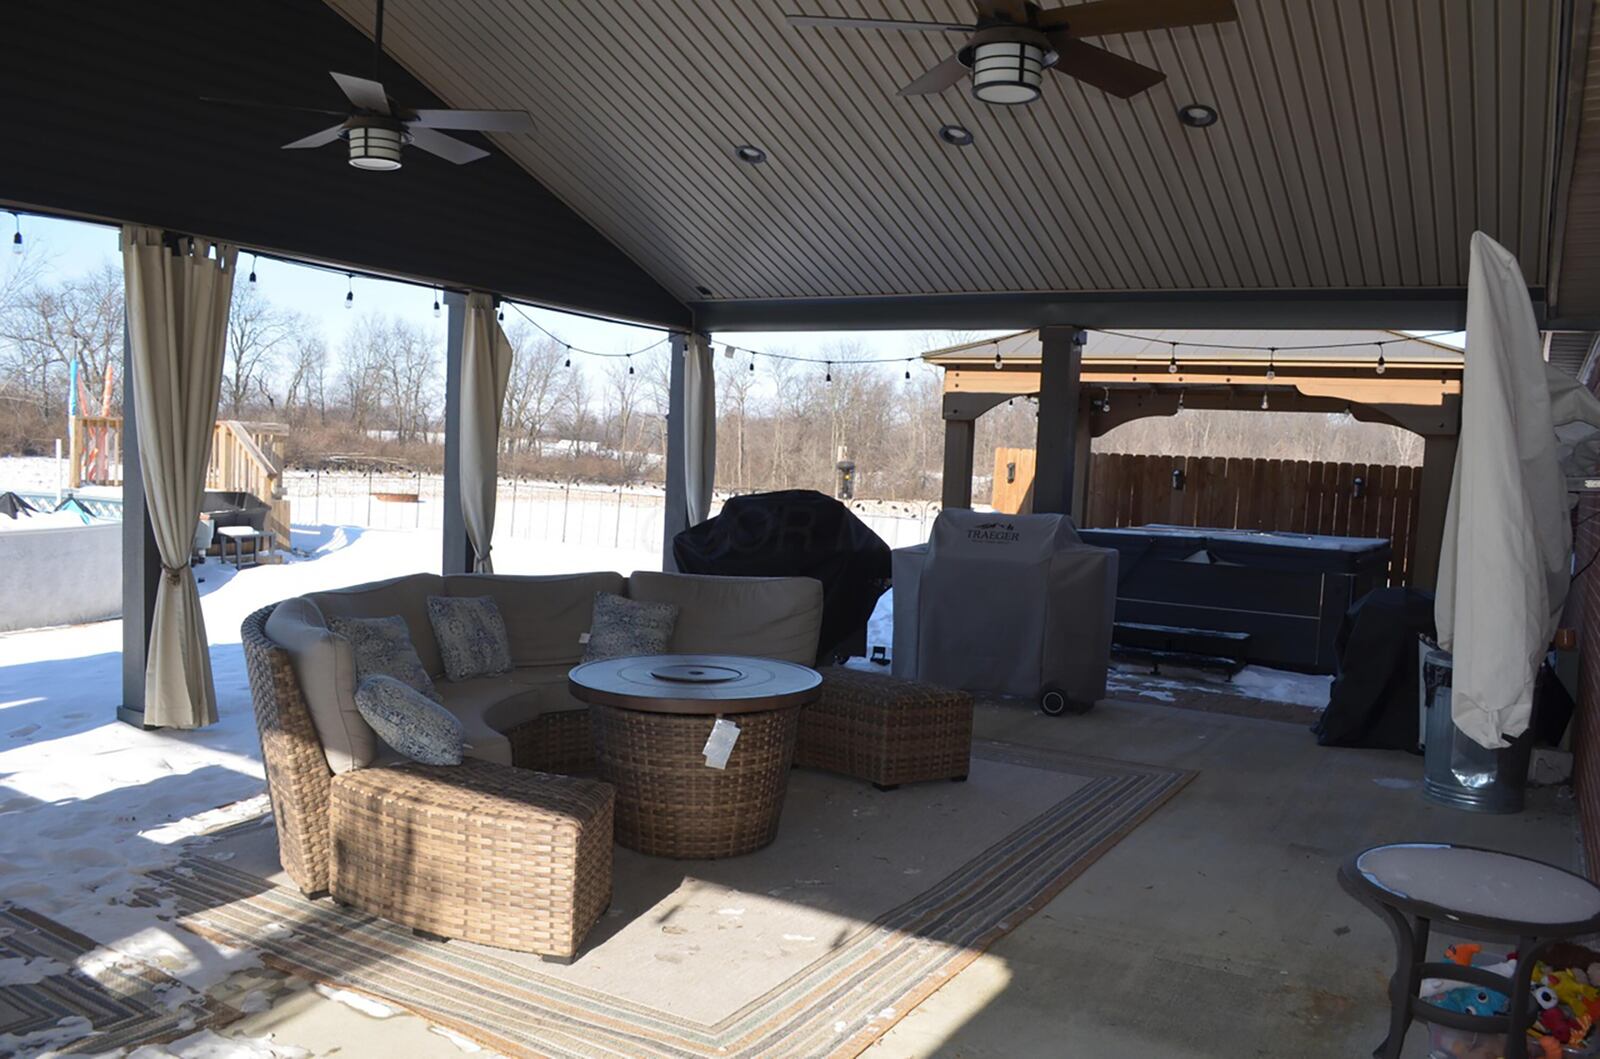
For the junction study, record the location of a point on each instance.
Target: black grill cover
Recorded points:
(795, 533)
(1373, 701)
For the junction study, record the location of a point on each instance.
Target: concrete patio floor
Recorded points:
(1215, 929)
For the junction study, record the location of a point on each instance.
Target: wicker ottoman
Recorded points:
(559, 742)
(481, 852)
(889, 731)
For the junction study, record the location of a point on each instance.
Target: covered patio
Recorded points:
(706, 170)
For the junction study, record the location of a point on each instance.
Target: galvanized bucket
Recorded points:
(1457, 771)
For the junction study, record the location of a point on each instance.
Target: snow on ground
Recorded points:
(87, 804)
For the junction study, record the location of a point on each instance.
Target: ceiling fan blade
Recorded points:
(1103, 69)
(1102, 17)
(316, 139)
(840, 22)
(368, 95)
(1009, 10)
(476, 120)
(256, 104)
(447, 147)
(936, 79)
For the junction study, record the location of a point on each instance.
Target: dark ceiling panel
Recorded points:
(103, 117)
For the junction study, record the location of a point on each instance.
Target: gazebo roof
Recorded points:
(1216, 347)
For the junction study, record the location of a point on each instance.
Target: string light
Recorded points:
(908, 375)
(829, 376)
(1263, 400)
(1272, 370)
(1180, 400)
(252, 268)
(630, 363)
(436, 303)
(500, 314)
(1172, 364)
(1382, 366)
(350, 290)
(998, 363)
(1105, 398)
(752, 363)
(569, 356)
(16, 240)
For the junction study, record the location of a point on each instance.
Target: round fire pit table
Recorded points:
(651, 717)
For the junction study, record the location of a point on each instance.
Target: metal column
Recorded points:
(457, 556)
(141, 562)
(676, 515)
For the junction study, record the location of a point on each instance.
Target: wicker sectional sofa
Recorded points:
(513, 847)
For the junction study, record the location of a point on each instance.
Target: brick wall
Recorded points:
(1586, 735)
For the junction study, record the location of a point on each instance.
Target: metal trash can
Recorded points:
(1457, 771)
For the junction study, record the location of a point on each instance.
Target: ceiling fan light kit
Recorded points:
(374, 144)
(1007, 65)
(956, 135)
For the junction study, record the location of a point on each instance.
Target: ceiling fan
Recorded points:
(1015, 41)
(376, 127)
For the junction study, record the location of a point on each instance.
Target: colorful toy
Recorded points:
(1462, 953)
(1473, 1000)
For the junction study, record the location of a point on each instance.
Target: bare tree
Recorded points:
(624, 389)
(539, 384)
(305, 385)
(257, 332)
(46, 328)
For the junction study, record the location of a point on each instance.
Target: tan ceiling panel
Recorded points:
(1361, 142)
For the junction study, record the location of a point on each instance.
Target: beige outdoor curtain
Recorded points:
(485, 371)
(178, 290)
(699, 427)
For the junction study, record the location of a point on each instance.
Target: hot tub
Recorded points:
(1289, 591)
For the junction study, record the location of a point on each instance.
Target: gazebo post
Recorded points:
(1082, 441)
(1061, 365)
(959, 435)
(141, 563)
(457, 557)
(1438, 468)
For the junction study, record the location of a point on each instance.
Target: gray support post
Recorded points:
(1061, 350)
(1083, 441)
(141, 562)
(1433, 497)
(676, 516)
(958, 439)
(457, 557)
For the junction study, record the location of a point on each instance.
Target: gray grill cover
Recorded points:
(1005, 605)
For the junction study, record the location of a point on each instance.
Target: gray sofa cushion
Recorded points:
(382, 647)
(406, 596)
(325, 668)
(623, 628)
(471, 636)
(767, 617)
(409, 722)
(545, 616)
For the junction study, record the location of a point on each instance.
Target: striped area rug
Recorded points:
(836, 1005)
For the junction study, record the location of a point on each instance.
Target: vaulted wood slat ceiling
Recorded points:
(1361, 142)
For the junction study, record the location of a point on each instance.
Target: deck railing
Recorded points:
(245, 457)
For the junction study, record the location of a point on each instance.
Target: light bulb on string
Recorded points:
(1105, 399)
(752, 363)
(1180, 400)
(829, 376)
(1172, 364)
(436, 309)
(500, 314)
(350, 291)
(569, 357)
(252, 268)
(630, 363)
(998, 362)
(1272, 368)
(1382, 365)
(16, 239)
(1263, 400)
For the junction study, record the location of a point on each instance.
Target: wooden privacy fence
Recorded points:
(1295, 496)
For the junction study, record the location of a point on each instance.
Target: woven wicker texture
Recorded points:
(670, 803)
(554, 742)
(885, 730)
(487, 853)
(297, 772)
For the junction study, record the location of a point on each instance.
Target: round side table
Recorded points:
(651, 716)
(1527, 904)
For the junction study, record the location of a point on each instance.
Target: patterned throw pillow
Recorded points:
(622, 627)
(383, 648)
(471, 635)
(410, 722)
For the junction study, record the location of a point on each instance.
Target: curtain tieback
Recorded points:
(173, 574)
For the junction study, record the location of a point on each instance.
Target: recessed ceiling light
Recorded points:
(956, 135)
(749, 155)
(1197, 115)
